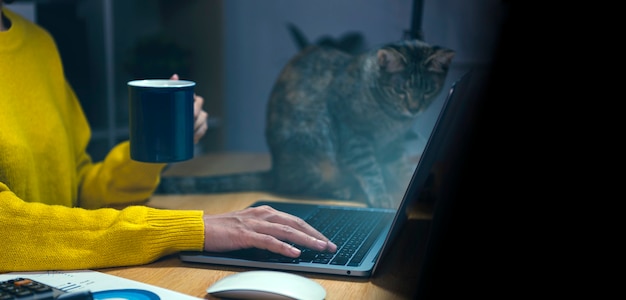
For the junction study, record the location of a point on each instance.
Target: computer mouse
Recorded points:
(267, 284)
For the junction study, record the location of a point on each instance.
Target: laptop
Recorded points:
(379, 227)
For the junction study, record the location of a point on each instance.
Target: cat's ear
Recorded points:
(298, 37)
(390, 60)
(440, 60)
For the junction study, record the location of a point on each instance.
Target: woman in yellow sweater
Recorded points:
(52, 194)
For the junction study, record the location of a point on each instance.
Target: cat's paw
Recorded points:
(342, 194)
(383, 201)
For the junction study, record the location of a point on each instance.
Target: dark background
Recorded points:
(496, 244)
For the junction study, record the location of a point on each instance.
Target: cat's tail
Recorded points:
(239, 182)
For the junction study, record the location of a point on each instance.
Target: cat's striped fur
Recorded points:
(337, 124)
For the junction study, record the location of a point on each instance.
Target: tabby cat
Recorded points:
(337, 124)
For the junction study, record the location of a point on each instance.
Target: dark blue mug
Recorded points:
(161, 120)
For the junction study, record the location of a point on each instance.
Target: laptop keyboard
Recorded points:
(353, 233)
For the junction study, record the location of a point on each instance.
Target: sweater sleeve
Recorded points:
(116, 180)
(64, 238)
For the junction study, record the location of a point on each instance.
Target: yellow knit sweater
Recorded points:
(51, 193)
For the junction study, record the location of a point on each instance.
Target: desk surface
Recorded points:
(396, 279)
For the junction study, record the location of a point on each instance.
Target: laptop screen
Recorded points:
(434, 162)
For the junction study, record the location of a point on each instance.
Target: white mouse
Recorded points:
(267, 284)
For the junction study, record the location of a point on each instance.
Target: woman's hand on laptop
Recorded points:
(262, 227)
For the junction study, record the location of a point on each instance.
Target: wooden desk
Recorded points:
(396, 279)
